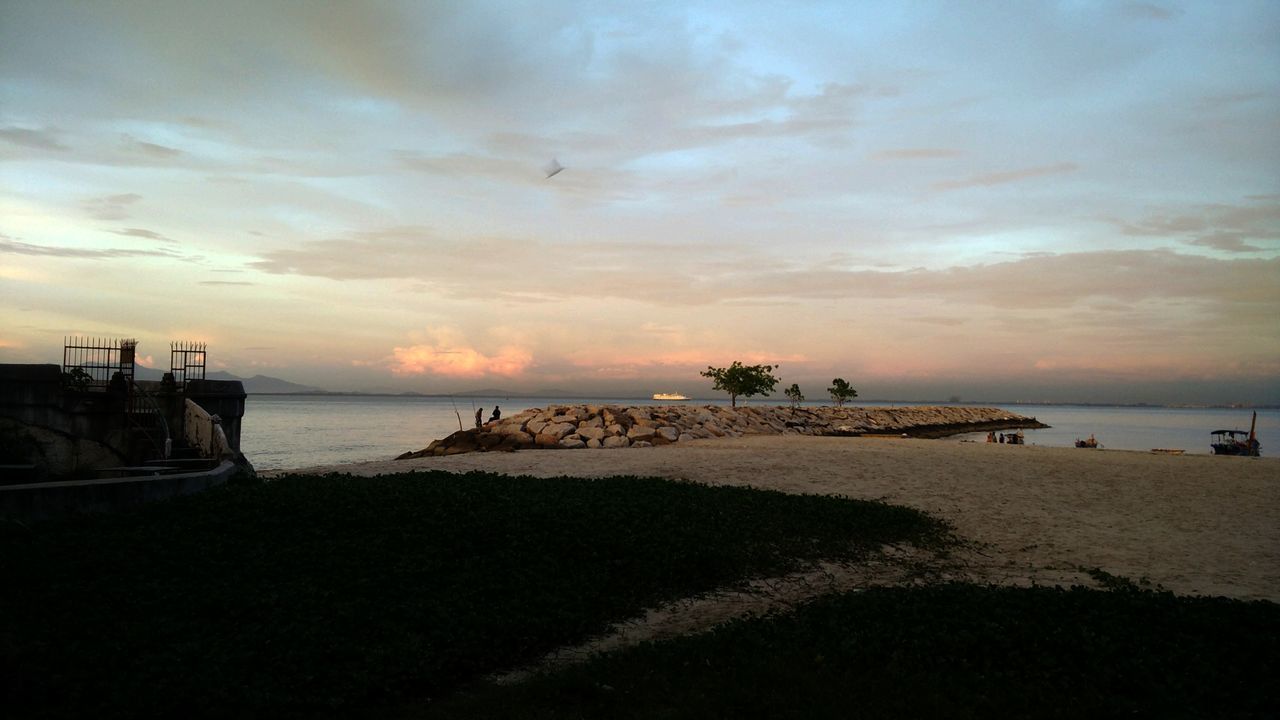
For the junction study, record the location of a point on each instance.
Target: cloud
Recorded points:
(1147, 11)
(37, 139)
(133, 145)
(142, 233)
(521, 273)
(1229, 228)
(21, 248)
(1002, 178)
(216, 283)
(447, 354)
(110, 207)
(1046, 281)
(916, 154)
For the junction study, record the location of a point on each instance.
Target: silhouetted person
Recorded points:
(497, 414)
(479, 414)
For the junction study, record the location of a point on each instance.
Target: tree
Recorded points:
(841, 392)
(744, 380)
(77, 379)
(794, 395)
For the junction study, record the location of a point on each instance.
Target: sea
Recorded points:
(280, 432)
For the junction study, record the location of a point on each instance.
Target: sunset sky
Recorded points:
(1005, 200)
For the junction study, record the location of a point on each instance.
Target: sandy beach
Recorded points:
(1198, 525)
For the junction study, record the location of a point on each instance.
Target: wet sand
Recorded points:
(1193, 524)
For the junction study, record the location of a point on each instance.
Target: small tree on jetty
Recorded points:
(841, 392)
(744, 380)
(794, 395)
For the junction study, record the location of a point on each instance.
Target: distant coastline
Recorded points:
(765, 401)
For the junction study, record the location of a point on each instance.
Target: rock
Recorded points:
(646, 426)
(640, 433)
(559, 429)
(592, 433)
(523, 439)
(508, 427)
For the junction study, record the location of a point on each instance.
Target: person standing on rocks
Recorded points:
(479, 414)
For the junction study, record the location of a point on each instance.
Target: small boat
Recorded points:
(1090, 443)
(1237, 442)
(669, 396)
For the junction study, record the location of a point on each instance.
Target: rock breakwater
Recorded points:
(571, 427)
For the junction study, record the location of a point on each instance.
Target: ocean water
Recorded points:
(289, 431)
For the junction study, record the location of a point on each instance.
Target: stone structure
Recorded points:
(57, 432)
(611, 426)
(157, 439)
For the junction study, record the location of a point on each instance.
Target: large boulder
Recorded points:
(640, 433)
(559, 430)
(592, 432)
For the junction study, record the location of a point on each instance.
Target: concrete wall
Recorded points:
(70, 434)
(66, 433)
(204, 431)
(224, 398)
(41, 501)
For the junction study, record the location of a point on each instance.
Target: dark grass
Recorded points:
(322, 595)
(955, 651)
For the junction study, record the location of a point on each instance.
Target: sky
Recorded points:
(1058, 201)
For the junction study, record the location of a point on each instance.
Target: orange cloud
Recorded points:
(458, 361)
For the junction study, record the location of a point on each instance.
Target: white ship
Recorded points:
(669, 396)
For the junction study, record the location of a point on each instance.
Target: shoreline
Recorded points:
(1193, 524)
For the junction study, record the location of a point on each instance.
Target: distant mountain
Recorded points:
(255, 384)
(264, 383)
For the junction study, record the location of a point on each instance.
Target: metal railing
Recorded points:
(186, 361)
(90, 363)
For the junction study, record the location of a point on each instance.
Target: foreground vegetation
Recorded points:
(955, 651)
(321, 595)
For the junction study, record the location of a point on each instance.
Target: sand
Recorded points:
(1192, 524)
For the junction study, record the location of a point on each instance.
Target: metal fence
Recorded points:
(186, 361)
(90, 363)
